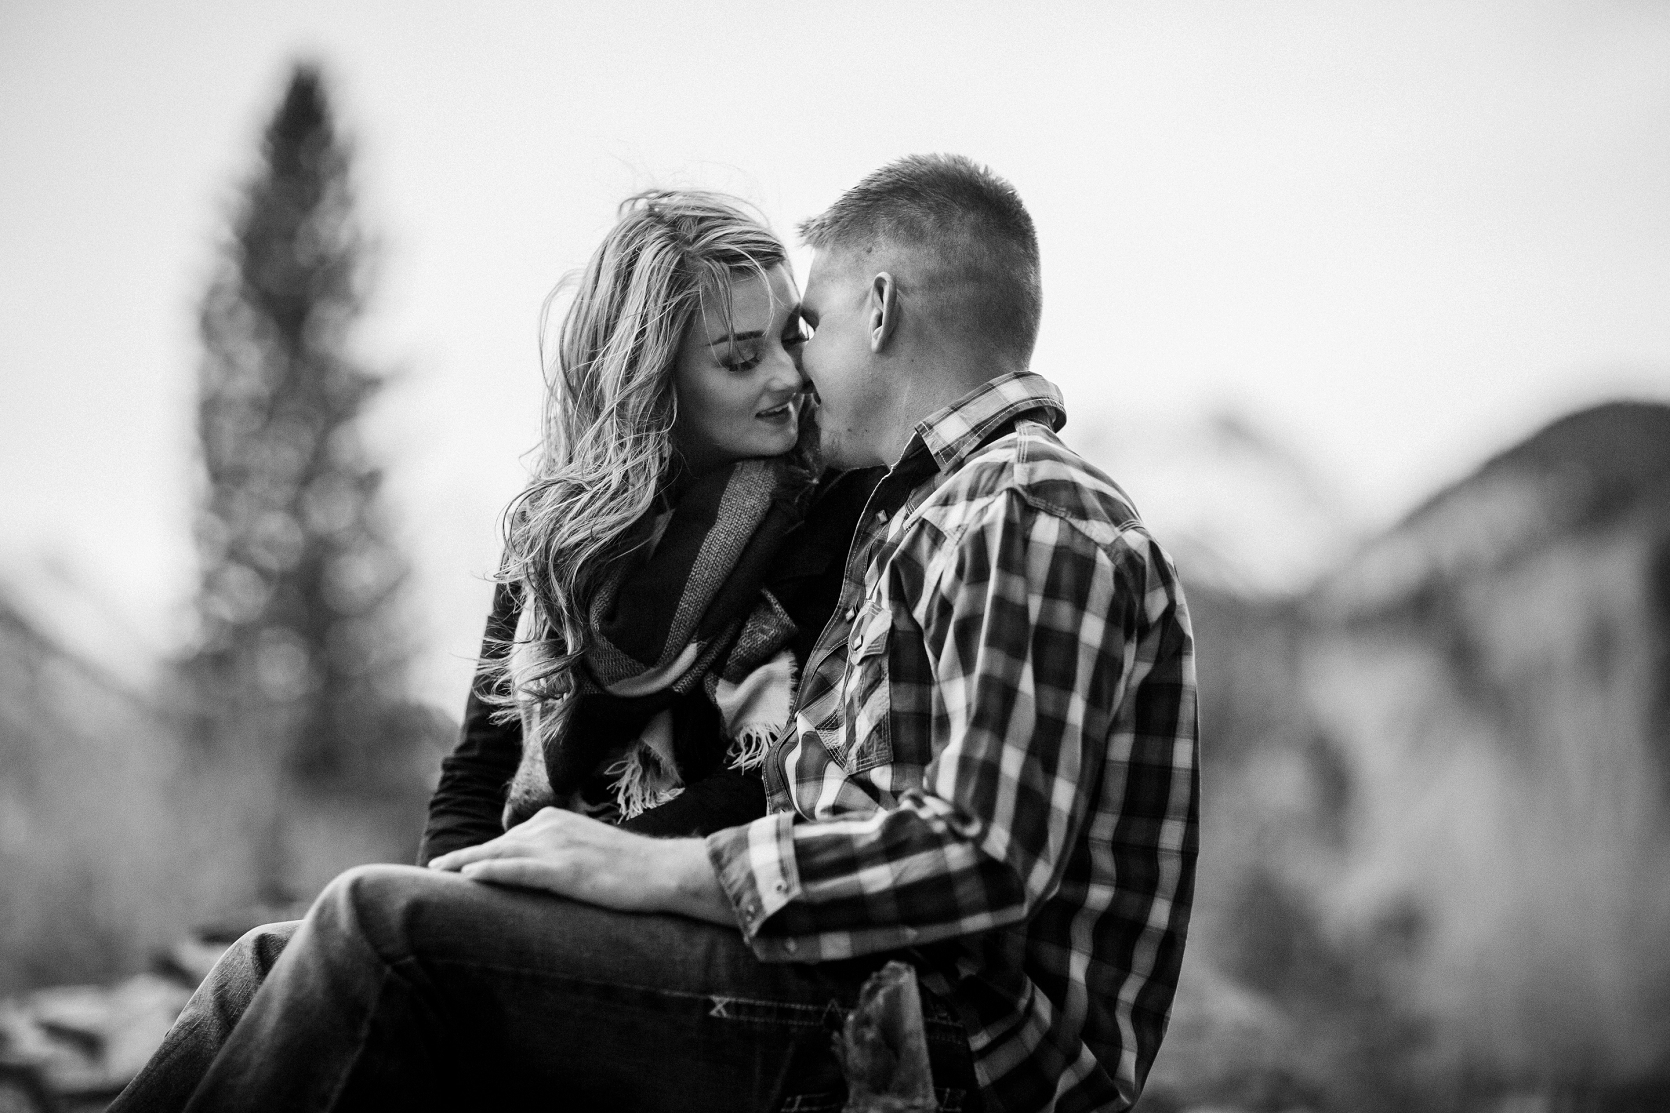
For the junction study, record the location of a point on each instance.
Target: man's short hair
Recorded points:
(970, 220)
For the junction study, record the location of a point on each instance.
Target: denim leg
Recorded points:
(166, 1082)
(419, 989)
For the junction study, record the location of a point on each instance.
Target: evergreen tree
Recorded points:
(299, 653)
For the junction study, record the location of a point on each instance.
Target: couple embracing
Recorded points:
(770, 697)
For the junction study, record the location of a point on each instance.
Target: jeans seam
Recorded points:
(171, 1049)
(937, 1029)
(334, 1094)
(662, 991)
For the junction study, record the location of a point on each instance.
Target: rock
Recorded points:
(883, 1047)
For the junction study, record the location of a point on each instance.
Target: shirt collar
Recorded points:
(954, 432)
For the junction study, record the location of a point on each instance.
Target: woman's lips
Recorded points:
(777, 413)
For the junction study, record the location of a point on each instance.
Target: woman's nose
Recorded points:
(786, 374)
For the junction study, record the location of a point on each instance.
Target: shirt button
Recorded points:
(781, 886)
(791, 946)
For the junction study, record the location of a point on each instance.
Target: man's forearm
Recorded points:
(584, 860)
(694, 888)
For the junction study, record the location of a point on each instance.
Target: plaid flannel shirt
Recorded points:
(993, 761)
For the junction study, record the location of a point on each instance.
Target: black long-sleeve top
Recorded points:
(468, 804)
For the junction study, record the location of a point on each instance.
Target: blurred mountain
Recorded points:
(121, 827)
(1436, 853)
(1580, 475)
(90, 770)
(54, 597)
(1494, 671)
(1237, 509)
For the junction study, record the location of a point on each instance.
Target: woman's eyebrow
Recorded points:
(732, 337)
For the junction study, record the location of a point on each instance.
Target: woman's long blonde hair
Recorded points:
(607, 447)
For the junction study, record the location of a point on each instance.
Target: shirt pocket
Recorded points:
(868, 699)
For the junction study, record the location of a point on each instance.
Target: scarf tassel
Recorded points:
(643, 781)
(748, 752)
(647, 776)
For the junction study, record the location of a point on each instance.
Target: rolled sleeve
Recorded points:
(756, 868)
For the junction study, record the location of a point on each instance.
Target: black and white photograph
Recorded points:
(855, 557)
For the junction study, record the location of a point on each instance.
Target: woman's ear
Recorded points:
(883, 310)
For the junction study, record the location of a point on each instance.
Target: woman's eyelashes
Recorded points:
(796, 332)
(742, 363)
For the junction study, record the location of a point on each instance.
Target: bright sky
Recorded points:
(1400, 236)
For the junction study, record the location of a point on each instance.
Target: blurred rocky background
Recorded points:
(141, 808)
(1435, 866)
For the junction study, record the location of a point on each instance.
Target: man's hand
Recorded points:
(577, 857)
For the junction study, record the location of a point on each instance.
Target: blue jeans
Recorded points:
(416, 989)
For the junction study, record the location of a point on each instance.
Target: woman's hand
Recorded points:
(582, 859)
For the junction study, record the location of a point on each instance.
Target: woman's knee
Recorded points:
(242, 967)
(257, 949)
(384, 906)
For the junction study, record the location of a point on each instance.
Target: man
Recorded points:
(991, 770)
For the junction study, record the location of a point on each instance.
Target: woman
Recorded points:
(665, 572)
(672, 561)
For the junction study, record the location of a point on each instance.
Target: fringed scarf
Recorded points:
(684, 611)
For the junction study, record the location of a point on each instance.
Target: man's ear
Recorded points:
(884, 310)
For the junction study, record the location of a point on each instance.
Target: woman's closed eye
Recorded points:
(740, 363)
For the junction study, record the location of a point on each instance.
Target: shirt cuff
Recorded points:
(755, 866)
